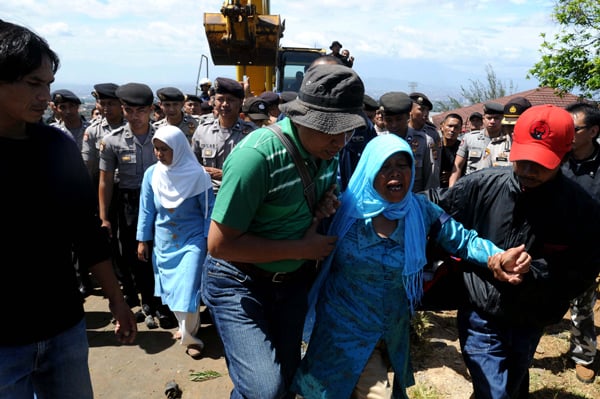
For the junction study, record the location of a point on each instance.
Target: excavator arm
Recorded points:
(243, 35)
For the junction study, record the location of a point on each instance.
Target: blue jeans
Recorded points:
(54, 368)
(497, 355)
(260, 323)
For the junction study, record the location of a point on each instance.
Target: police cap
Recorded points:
(369, 103)
(513, 109)
(105, 91)
(229, 86)
(475, 115)
(256, 108)
(170, 94)
(193, 97)
(395, 102)
(492, 108)
(65, 96)
(287, 96)
(421, 99)
(205, 106)
(270, 97)
(135, 94)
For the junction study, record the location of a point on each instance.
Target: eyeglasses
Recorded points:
(578, 128)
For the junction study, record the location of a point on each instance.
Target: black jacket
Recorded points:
(560, 225)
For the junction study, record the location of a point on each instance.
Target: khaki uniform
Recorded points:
(90, 147)
(188, 125)
(472, 148)
(212, 143)
(121, 149)
(497, 151)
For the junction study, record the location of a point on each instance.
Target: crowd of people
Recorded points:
(294, 216)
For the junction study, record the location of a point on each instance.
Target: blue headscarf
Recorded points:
(362, 201)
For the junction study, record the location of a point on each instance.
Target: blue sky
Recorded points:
(439, 45)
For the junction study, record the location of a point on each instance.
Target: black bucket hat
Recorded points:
(330, 100)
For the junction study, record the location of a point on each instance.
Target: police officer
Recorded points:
(350, 154)
(215, 138)
(255, 110)
(129, 148)
(419, 120)
(192, 105)
(473, 145)
(111, 118)
(497, 151)
(273, 100)
(475, 121)
(171, 101)
(396, 108)
(69, 120)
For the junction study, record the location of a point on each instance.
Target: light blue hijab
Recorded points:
(362, 201)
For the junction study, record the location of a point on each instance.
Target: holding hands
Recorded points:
(511, 265)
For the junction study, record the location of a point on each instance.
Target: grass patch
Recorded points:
(199, 376)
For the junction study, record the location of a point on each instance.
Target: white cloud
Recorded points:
(145, 40)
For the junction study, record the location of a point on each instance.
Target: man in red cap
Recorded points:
(500, 325)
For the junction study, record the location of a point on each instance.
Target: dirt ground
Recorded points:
(140, 371)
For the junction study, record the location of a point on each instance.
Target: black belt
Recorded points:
(274, 277)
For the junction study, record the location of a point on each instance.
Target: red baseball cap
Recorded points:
(543, 134)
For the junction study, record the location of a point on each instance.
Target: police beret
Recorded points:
(229, 86)
(136, 94)
(256, 108)
(335, 43)
(104, 91)
(287, 96)
(395, 102)
(493, 108)
(513, 109)
(170, 94)
(369, 103)
(270, 97)
(475, 115)
(65, 96)
(193, 97)
(421, 99)
(205, 106)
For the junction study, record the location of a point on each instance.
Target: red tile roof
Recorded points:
(538, 96)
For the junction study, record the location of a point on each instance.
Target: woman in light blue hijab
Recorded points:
(368, 288)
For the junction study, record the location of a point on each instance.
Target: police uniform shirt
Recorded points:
(122, 150)
(497, 152)
(92, 138)
(472, 147)
(76, 134)
(188, 124)
(212, 143)
(434, 143)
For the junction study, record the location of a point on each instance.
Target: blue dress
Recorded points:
(363, 300)
(179, 237)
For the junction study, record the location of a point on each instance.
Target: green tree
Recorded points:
(571, 61)
(478, 92)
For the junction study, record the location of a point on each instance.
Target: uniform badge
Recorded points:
(102, 146)
(207, 153)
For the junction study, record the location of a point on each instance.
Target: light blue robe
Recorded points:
(179, 237)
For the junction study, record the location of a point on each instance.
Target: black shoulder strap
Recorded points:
(309, 187)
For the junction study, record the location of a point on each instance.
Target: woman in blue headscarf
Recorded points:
(370, 285)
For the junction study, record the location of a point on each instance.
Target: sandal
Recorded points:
(194, 351)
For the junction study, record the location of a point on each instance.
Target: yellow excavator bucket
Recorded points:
(241, 36)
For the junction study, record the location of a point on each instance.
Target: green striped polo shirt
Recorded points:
(262, 193)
